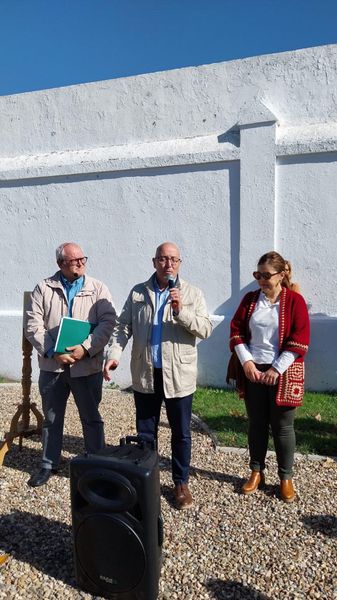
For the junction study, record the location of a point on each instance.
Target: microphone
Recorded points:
(172, 284)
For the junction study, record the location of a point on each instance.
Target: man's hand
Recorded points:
(176, 300)
(64, 359)
(77, 352)
(110, 365)
(251, 372)
(270, 377)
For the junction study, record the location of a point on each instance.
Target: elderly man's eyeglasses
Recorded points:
(266, 276)
(76, 261)
(164, 259)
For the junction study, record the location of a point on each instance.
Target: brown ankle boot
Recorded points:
(287, 490)
(256, 480)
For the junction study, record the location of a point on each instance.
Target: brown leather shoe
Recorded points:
(182, 496)
(256, 480)
(287, 490)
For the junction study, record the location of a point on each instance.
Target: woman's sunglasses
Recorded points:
(266, 276)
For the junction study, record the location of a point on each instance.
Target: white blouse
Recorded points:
(263, 345)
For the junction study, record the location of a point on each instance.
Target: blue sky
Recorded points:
(52, 43)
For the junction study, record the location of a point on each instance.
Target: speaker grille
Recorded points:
(120, 570)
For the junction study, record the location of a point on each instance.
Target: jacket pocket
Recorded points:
(188, 357)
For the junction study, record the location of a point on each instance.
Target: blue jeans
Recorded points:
(55, 389)
(179, 412)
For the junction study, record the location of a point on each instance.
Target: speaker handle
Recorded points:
(143, 440)
(126, 492)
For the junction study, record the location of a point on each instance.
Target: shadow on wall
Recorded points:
(213, 353)
(320, 362)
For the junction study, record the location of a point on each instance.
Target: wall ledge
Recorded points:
(309, 139)
(167, 153)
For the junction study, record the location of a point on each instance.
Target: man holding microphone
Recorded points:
(164, 315)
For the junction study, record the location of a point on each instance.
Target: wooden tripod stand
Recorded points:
(20, 424)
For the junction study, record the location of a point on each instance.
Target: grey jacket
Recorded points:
(49, 304)
(179, 333)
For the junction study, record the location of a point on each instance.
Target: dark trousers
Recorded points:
(55, 389)
(263, 412)
(179, 412)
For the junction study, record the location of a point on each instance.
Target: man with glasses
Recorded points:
(164, 315)
(72, 293)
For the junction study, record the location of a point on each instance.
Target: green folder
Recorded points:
(72, 332)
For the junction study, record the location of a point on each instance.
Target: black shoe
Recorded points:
(41, 477)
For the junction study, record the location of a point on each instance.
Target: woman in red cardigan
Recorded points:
(270, 336)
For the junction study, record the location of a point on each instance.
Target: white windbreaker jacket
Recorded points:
(49, 304)
(179, 333)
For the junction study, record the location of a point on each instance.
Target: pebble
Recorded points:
(227, 546)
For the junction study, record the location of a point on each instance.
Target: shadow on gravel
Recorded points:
(326, 524)
(42, 543)
(29, 459)
(233, 590)
(197, 473)
(167, 493)
(22, 460)
(73, 444)
(197, 425)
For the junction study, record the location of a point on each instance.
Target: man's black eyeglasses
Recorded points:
(75, 261)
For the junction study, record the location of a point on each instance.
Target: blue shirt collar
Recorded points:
(70, 284)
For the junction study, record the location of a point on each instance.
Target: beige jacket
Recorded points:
(179, 333)
(49, 303)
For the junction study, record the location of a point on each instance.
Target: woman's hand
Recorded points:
(270, 377)
(251, 372)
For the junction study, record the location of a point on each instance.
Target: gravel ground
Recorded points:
(228, 546)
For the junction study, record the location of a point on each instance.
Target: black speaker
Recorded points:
(117, 525)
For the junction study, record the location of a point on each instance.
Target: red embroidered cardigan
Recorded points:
(294, 333)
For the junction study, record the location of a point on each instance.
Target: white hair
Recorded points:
(60, 252)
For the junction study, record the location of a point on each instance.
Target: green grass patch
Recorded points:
(315, 422)
(6, 380)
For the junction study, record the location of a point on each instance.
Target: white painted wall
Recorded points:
(228, 160)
